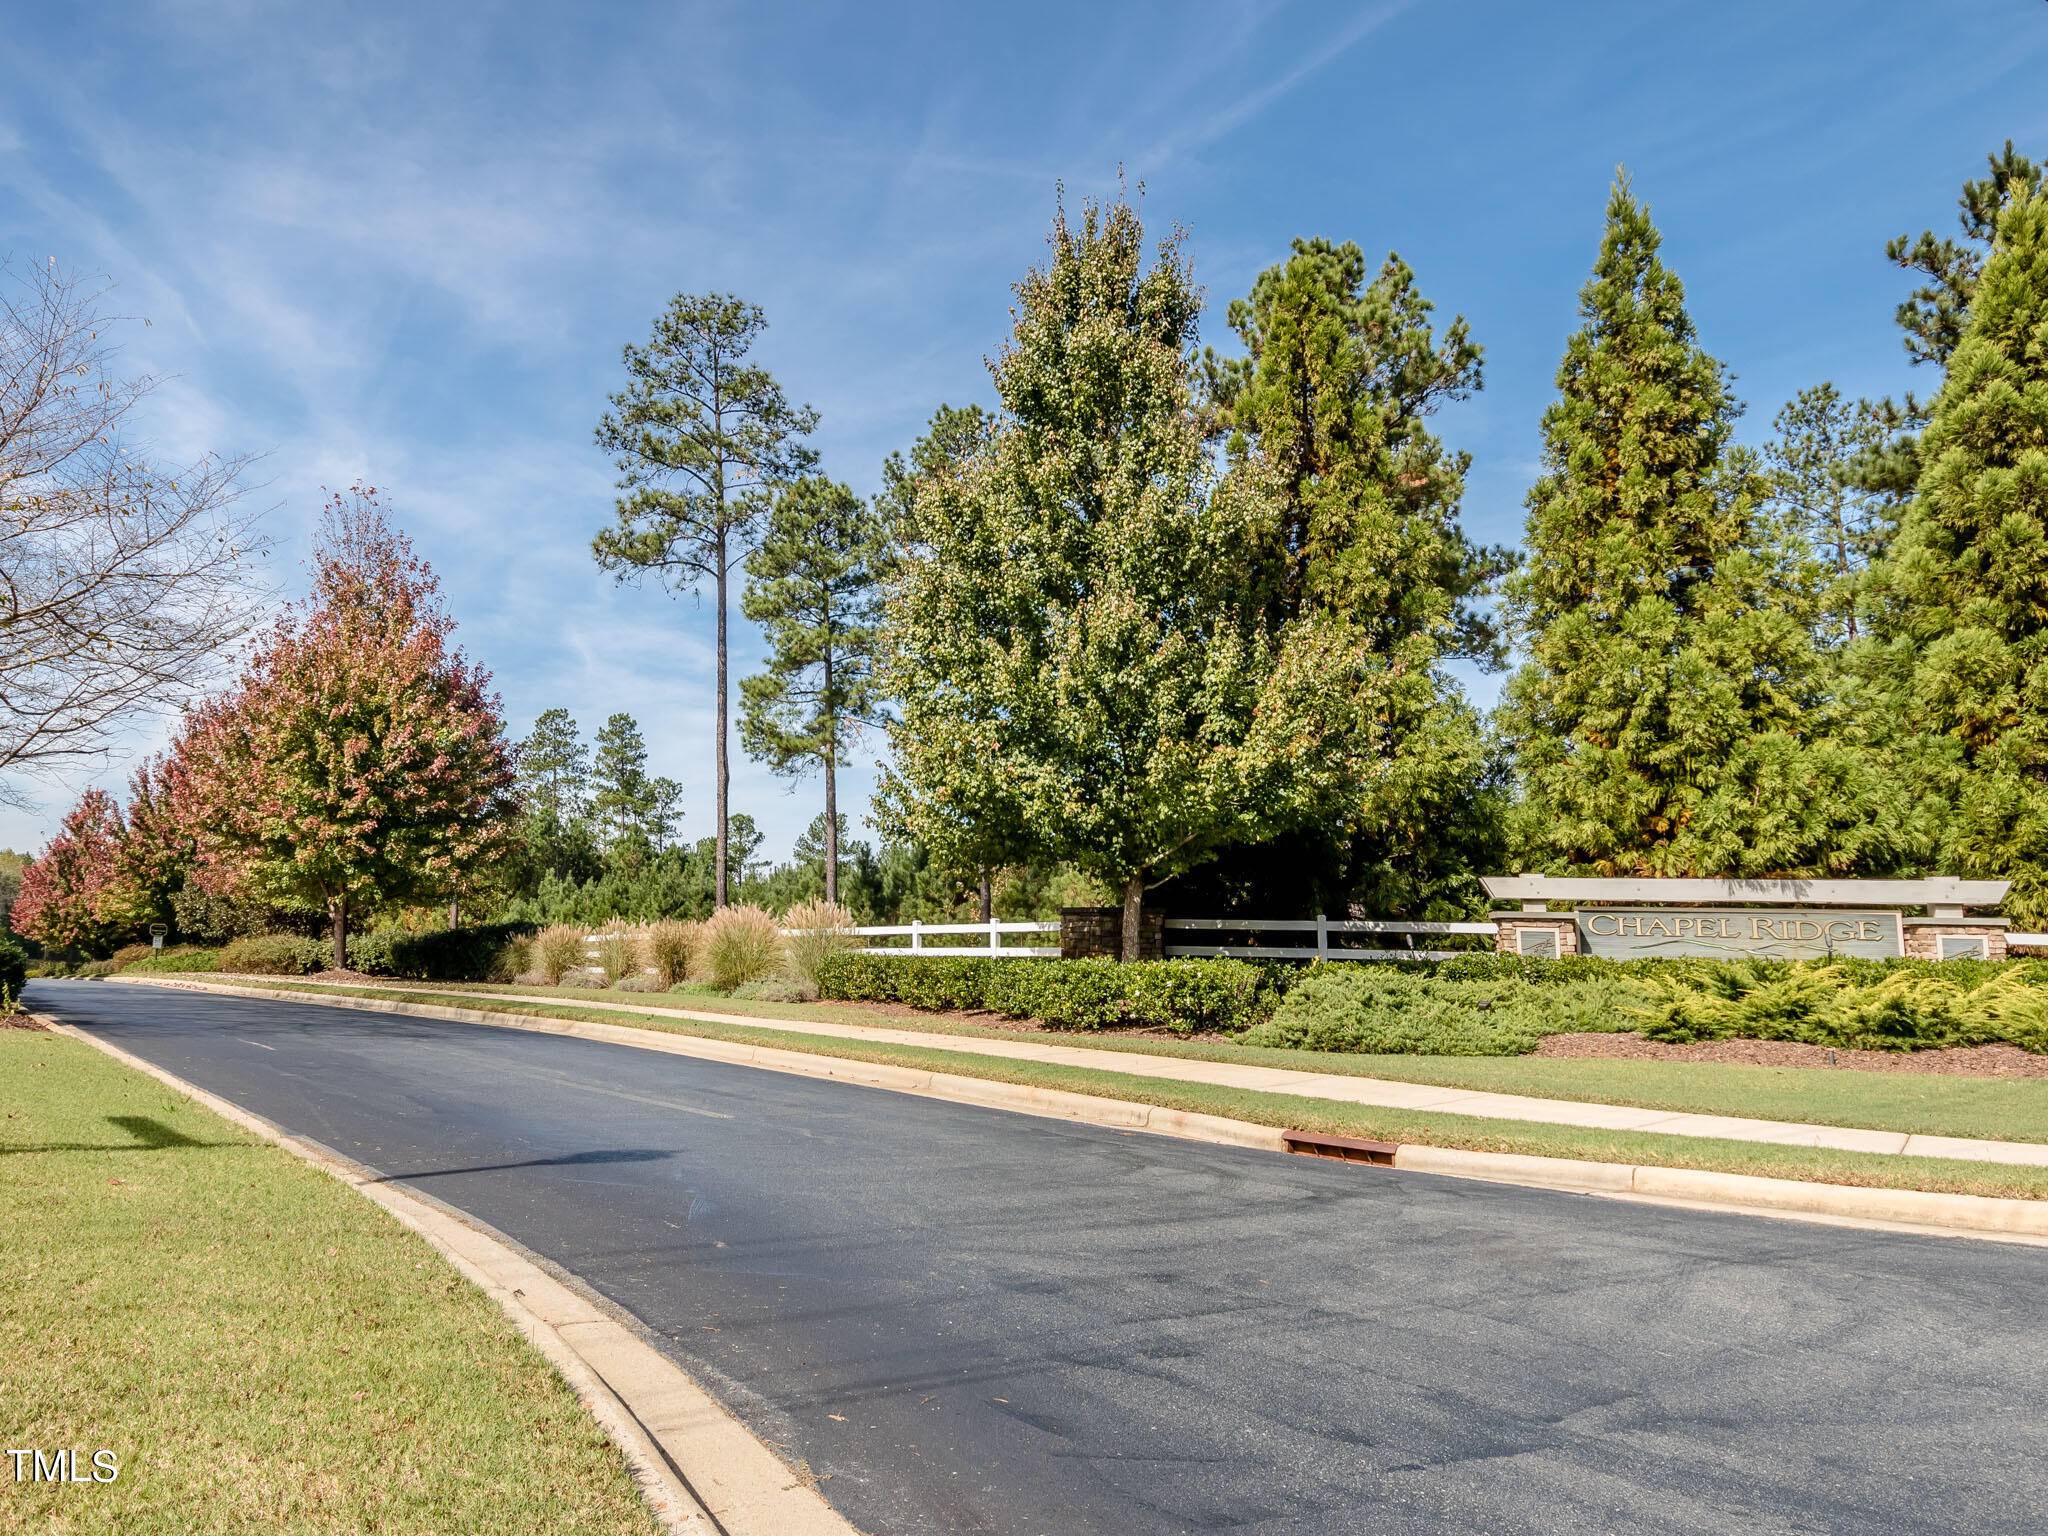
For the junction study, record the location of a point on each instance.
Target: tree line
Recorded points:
(1169, 624)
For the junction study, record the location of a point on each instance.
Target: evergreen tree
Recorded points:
(703, 439)
(1331, 401)
(1968, 579)
(813, 589)
(1936, 313)
(554, 769)
(1673, 717)
(1886, 466)
(1814, 485)
(622, 797)
(1078, 638)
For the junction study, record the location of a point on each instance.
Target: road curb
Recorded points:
(700, 1469)
(1921, 1211)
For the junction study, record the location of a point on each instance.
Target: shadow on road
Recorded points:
(567, 1160)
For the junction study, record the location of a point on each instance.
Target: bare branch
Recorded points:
(123, 583)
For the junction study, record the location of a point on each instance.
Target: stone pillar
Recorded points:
(1923, 937)
(1097, 933)
(1549, 933)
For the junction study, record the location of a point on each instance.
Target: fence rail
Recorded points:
(992, 932)
(989, 938)
(1323, 929)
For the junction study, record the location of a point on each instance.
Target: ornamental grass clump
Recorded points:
(815, 930)
(741, 944)
(672, 948)
(557, 951)
(619, 955)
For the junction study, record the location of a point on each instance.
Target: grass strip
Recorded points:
(1420, 1127)
(261, 1348)
(1996, 1109)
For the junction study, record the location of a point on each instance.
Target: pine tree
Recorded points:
(703, 439)
(554, 769)
(622, 798)
(1332, 400)
(1673, 718)
(1936, 313)
(1968, 578)
(813, 589)
(1813, 484)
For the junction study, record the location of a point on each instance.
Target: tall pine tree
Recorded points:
(1968, 578)
(1673, 718)
(812, 587)
(1331, 403)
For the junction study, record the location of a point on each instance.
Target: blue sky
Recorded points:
(405, 242)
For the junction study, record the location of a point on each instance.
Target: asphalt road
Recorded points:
(970, 1321)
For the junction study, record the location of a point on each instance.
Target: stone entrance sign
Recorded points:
(1732, 933)
(1625, 917)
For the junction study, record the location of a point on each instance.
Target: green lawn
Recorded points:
(1420, 1127)
(261, 1348)
(1999, 1109)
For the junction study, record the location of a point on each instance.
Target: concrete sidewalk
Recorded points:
(1388, 1093)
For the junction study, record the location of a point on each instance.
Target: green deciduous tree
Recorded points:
(1967, 583)
(703, 439)
(1078, 638)
(813, 588)
(1673, 718)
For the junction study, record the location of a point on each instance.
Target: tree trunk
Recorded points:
(831, 829)
(455, 913)
(988, 897)
(339, 910)
(1134, 913)
(720, 897)
(831, 778)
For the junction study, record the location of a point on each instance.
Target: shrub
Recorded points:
(128, 954)
(557, 950)
(816, 929)
(1897, 1006)
(275, 954)
(13, 966)
(741, 944)
(1179, 995)
(618, 955)
(1195, 996)
(672, 950)
(475, 953)
(178, 958)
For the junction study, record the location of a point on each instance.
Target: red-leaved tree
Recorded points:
(361, 759)
(157, 849)
(66, 901)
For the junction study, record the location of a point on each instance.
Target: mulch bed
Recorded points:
(1958, 1061)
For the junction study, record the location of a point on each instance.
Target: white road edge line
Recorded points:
(700, 1469)
(1922, 1213)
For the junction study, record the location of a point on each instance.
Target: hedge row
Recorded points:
(1484, 1005)
(1179, 995)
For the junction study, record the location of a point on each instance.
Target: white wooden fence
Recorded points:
(1324, 938)
(984, 939)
